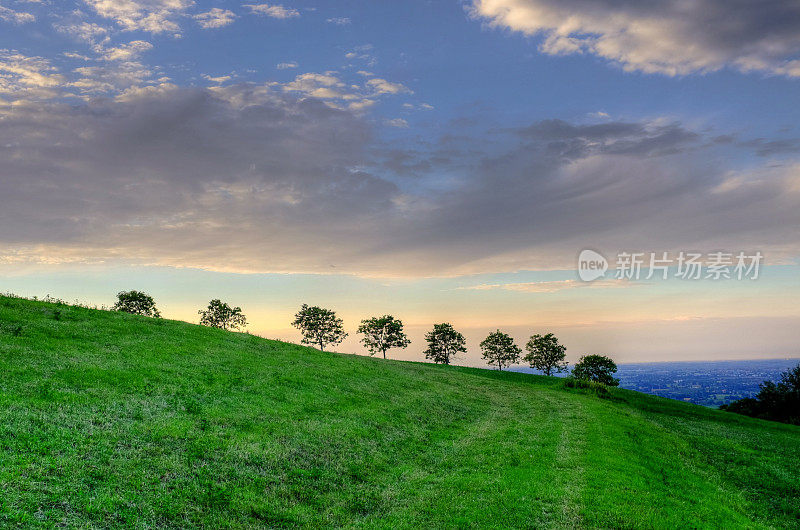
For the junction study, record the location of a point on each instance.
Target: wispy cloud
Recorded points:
(273, 10)
(215, 18)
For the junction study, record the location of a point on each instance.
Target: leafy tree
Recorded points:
(596, 368)
(319, 326)
(775, 401)
(546, 354)
(499, 349)
(221, 315)
(381, 334)
(444, 343)
(137, 303)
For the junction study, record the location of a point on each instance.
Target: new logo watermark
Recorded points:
(591, 265)
(681, 265)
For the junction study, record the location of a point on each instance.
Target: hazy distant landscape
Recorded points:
(707, 383)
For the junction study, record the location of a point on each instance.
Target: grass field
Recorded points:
(112, 420)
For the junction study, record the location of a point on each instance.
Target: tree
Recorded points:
(499, 349)
(137, 303)
(546, 354)
(775, 401)
(444, 343)
(596, 368)
(381, 334)
(319, 326)
(221, 315)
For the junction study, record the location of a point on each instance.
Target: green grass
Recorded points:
(112, 420)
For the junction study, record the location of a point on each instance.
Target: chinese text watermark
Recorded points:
(663, 265)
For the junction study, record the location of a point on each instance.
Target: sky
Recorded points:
(438, 161)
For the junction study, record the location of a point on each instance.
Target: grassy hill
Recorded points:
(111, 420)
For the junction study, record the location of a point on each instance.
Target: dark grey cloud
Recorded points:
(249, 179)
(672, 37)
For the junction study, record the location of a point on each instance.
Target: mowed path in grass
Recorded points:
(110, 420)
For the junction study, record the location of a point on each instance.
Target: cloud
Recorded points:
(219, 79)
(549, 286)
(15, 17)
(170, 171)
(84, 31)
(382, 86)
(126, 52)
(339, 21)
(670, 37)
(330, 87)
(22, 76)
(273, 11)
(397, 122)
(215, 18)
(113, 77)
(153, 16)
(286, 66)
(258, 178)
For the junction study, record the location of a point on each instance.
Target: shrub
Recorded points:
(137, 303)
(593, 386)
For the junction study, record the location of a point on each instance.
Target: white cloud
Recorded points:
(126, 52)
(339, 21)
(16, 17)
(274, 10)
(321, 86)
(382, 86)
(219, 79)
(84, 31)
(154, 16)
(112, 77)
(400, 123)
(669, 37)
(216, 18)
(22, 76)
(286, 66)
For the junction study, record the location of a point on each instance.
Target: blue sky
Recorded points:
(397, 156)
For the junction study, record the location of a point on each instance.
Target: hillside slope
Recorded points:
(109, 419)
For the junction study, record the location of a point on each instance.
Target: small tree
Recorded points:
(137, 303)
(381, 334)
(546, 354)
(499, 350)
(221, 315)
(596, 368)
(319, 326)
(444, 343)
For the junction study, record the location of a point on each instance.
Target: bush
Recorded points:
(593, 386)
(136, 303)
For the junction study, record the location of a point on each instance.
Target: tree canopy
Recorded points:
(137, 303)
(597, 368)
(319, 326)
(546, 354)
(775, 401)
(220, 315)
(499, 350)
(383, 333)
(444, 343)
